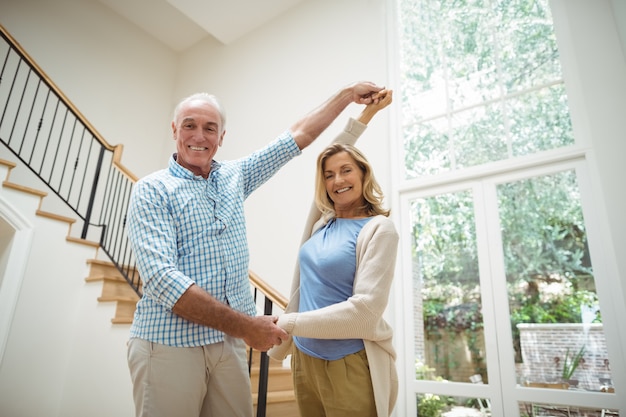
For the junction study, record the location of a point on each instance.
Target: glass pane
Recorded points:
(449, 342)
(432, 405)
(479, 136)
(540, 121)
(421, 65)
(469, 53)
(468, 138)
(427, 148)
(527, 48)
(481, 82)
(555, 316)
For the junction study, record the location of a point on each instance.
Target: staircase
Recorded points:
(59, 345)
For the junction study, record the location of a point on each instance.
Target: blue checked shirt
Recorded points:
(185, 229)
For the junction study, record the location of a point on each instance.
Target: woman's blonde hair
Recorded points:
(372, 193)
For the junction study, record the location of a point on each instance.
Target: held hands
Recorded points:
(382, 99)
(263, 334)
(366, 92)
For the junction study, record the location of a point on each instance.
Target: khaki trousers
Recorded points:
(340, 388)
(206, 381)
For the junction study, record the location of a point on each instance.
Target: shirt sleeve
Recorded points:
(152, 237)
(261, 165)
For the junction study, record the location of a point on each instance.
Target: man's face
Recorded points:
(198, 134)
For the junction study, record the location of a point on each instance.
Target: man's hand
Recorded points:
(365, 92)
(198, 306)
(263, 333)
(307, 129)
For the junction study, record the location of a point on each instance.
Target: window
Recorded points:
(500, 264)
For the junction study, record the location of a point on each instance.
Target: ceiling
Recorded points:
(181, 23)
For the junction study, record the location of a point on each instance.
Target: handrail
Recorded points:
(18, 48)
(277, 298)
(117, 149)
(51, 137)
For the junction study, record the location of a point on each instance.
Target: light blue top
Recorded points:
(327, 269)
(186, 229)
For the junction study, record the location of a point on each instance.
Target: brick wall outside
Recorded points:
(544, 347)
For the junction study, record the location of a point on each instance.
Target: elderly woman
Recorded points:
(343, 360)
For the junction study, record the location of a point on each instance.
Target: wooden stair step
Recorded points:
(115, 289)
(277, 396)
(279, 379)
(279, 403)
(124, 312)
(98, 268)
(24, 189)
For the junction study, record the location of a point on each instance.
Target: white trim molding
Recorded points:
(18, 252)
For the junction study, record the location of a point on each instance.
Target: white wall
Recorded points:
(619, 14)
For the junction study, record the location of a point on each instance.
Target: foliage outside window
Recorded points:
(481, 82)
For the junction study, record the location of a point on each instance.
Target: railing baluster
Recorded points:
(39, 126)
(66, 161)
(10, 94)
(264, 370)
(48, 139)
(85, 170)
(92, 195)
(30, 113)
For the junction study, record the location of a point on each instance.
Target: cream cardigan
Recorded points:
(360, 316)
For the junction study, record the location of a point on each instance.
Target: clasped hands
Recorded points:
(369, 93)
(265, 334)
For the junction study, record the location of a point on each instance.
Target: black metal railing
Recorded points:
(271, 299)
(57, 144)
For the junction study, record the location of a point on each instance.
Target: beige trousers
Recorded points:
(206, 381)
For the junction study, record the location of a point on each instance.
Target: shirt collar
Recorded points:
(179, 171)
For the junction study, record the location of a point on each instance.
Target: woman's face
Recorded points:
(344, 184)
